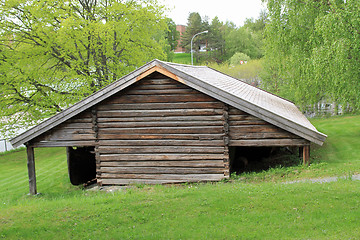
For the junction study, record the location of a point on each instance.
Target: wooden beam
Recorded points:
(226, 141)
(31, 170)
(306, 155)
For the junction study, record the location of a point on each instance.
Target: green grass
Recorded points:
(259, 206)
(183, 58)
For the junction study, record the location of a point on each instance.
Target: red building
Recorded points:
(181, 29)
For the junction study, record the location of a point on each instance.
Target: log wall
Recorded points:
(77, 131)
(160, 131)
(247, 130)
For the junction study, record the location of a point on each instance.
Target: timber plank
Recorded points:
(159, 157)
(136, 91)
(242, 118)
(247, 122)
(195, 136)
(255, 129)
(262, 135)
(74, 126)
(163, 98)
(163, 118)
(158, 124)
(157, 113)
(268, 142)
(159, 106)
(193, 164)
(159, 149)
(161, 142)
(163, 130)
(159, 170)
(188, 177)
(66, 143)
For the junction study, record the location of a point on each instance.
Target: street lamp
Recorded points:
(192, 44)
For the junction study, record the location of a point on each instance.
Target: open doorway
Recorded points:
(81, 164)
(256, 159)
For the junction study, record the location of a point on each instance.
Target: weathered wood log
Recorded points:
(162, 118)
(159, 149)
(189, 177)
(159, 157)
(159, 170)
(31, 170)
(158, 124)
(66, 143)
(157, 113)
(247, 122)
(161, 136)
(268, 142)
(150, 181)
(163, 130)
(161, 91)
(161, 98)
(255, 129)
(73, 125)
(160, 142)
(306, 155)
(159, 106)
(263, 135)
(193, 164)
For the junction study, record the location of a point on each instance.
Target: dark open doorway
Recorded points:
(256, 159)
(81, 164)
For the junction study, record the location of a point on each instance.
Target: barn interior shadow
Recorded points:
(81, 165)
(257, 159)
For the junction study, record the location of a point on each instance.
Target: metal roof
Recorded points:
(236, 93)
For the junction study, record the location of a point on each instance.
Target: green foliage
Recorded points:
(311, 52)
(245, 41)
(53, 53)
(194, 26)
(223, 40)
(238, 57)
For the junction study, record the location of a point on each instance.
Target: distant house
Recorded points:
(168, 123)
(181, 29)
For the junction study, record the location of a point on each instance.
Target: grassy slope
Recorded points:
(183, 58)
(259, 209)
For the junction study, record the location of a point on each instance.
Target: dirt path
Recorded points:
(326, 179)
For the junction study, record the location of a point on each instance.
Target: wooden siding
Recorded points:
(160, 131)
(77, 131)
(247, 130)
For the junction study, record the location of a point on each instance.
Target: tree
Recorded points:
(311, 51)
(216, 39)
(194, 25)
(54, 53)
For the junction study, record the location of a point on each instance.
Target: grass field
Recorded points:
(250, 206)
(183, 58)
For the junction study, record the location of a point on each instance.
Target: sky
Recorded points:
(236, 11)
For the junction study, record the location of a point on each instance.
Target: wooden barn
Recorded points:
(168, 123)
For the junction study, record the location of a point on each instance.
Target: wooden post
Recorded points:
(306, 155)
(31, 169)
(226, 141)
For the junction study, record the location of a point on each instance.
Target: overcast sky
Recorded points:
(235, 11)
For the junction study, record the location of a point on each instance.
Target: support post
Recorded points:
(31, 169)
(226, 139)
(306, 155)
